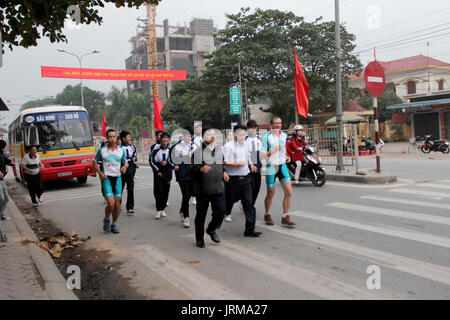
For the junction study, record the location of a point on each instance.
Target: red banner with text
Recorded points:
(111, 74)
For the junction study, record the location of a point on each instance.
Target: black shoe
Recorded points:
(252, 234)
(214, 236)
(200, 244)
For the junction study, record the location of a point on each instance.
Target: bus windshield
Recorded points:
(59, 130)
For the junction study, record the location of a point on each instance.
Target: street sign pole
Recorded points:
(375, 81)
(377, 139)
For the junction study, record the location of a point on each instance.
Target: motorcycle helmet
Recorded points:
(298, 127)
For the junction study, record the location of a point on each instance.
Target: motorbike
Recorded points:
(435, 145)
(311, 168)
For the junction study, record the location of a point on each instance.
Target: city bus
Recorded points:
(63, 138)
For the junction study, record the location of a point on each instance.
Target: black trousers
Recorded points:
(161, 190)
(240, 188)
(35, 186)
(128, 179)
(256, 185)
(186, 191)
(218, 211)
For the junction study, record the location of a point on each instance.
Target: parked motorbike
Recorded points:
(311, 168)
(434, 145)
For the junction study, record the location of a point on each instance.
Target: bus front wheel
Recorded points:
(82, 180)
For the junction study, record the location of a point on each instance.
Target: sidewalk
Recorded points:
(19, 278)
(26, 271)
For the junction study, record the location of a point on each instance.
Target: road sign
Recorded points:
(145, 134)
(375, 79)
(235, 101)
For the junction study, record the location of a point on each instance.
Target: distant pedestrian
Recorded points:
(209, 177)
(157, 143)
(181, 157)
(197, 141)
(31, 164)
(114, 163)
(4, 161)
(162, 174)
(128, 177)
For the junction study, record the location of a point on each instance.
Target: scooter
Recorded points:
(311, 168)
(434, 145)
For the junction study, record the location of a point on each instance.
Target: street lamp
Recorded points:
(79, 60)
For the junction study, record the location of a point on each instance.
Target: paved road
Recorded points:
(341, 230)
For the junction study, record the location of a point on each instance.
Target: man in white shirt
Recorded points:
(237, 163)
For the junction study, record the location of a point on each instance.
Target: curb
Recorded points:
(55, 284)
(381, 178)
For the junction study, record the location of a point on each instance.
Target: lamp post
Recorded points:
(79, 60)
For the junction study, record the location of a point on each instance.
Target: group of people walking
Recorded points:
(207, 174)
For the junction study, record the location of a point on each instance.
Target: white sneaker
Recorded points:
(40, 199)
(193, 200)
(163, 214)
(228, 218)
(181, 216)
(35, 204)
(130, 212)
(187, 222)
(158, 215)
(167, 204)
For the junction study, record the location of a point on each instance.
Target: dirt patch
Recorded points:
(100, 279)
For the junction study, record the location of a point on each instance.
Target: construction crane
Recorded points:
(152, 58)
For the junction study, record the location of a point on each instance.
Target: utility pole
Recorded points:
(246, 101)
(340, 159)
(152, 60)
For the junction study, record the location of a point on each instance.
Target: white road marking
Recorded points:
(433, 185)
(184, 276)
(422, 192)
(412, 266)
(390, 231)
(318, 284)
(391, 212)
(407, 201)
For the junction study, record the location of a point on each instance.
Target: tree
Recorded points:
(37, 103)
(387, 99)
(94, 101)
(137, 125)
(262, 43)
(24, 21)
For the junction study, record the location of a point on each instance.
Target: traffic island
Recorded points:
(363, 176)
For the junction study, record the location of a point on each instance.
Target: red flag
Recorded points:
(158, 120)
(301, 88)
(104, 126)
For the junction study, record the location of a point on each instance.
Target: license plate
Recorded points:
(63, 174)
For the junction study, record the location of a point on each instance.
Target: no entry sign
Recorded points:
(375, 79)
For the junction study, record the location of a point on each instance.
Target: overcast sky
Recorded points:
(397, 20)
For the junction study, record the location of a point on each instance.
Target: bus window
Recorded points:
(31, 136)
(75, 133)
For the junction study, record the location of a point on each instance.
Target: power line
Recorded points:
(408, 20)
(405, 34)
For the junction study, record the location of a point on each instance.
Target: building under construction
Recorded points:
(179, 48)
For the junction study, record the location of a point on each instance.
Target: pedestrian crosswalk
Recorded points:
(324, 285)
(371, 214)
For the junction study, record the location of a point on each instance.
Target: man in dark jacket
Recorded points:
(209, 175)
(180, 155)
(4, 161)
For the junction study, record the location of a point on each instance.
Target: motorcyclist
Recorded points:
(296, 144)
